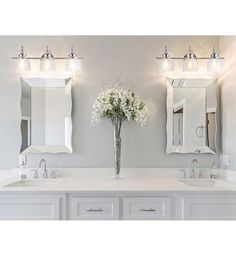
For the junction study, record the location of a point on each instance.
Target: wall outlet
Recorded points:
(22, 160)
(225, 161)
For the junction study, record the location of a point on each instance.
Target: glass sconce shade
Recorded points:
(23, 63)
(167, 65)
(190, 65)
(215, 64)
(190, 61)
(47, 65)
(72, 64)
(47, 62)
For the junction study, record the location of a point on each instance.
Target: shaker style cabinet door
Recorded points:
(30, 208)
(96, 208)
(207, 207)
(147, 208)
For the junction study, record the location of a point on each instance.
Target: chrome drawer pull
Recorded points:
(147, 210)
(94, 210)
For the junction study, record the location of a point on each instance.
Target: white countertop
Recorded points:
(75, 183)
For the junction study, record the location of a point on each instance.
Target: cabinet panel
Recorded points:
(147, 208)
(105, 208)
(207, 208)
(28, 208)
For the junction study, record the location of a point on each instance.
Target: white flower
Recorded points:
(119, 103)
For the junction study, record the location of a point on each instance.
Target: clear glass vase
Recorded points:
(117, 146)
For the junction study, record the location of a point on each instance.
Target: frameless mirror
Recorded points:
(191, 115)
(46, 104)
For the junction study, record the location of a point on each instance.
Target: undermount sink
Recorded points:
(33, 183)
(204, 183)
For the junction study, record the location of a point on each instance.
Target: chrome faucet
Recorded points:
(214, 172)
(45, 171)
(194, 168)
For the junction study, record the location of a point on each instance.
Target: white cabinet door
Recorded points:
(96, 208)
(26, 207)
(146, 208)
(207, 207)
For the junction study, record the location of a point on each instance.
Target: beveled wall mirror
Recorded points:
(191, 115)
(46, 104)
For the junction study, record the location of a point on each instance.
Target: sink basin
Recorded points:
(204, 183)
(33, 183)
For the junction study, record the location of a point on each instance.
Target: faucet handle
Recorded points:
(183, 171)
(23, 176)
(53, 174)
(214, 171)
(36, 173)
(214, 176)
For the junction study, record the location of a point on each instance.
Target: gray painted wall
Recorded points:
(228, 102)
(105, 58)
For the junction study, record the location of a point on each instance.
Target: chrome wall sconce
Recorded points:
(215, 63)
(47, 61)
(190, 61)
(23, 62)
(73, 61)
(167, 64)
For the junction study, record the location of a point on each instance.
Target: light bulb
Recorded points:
(47, 62)
(166, 64)
(73, 62)
(190, 61)
(214, 64)
(23, 63)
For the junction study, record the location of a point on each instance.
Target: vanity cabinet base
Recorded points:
(118, 206)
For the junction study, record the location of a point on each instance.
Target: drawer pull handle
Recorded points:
(94, 210)
(147, 210)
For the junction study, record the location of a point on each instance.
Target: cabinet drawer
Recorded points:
(208, 208)
(23, 208)
(146, 208)
(94, 208)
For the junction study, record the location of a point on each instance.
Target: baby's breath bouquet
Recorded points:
(119, 104)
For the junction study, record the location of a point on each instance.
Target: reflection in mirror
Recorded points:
(46, 104)
(25, 116)
(191, 115)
